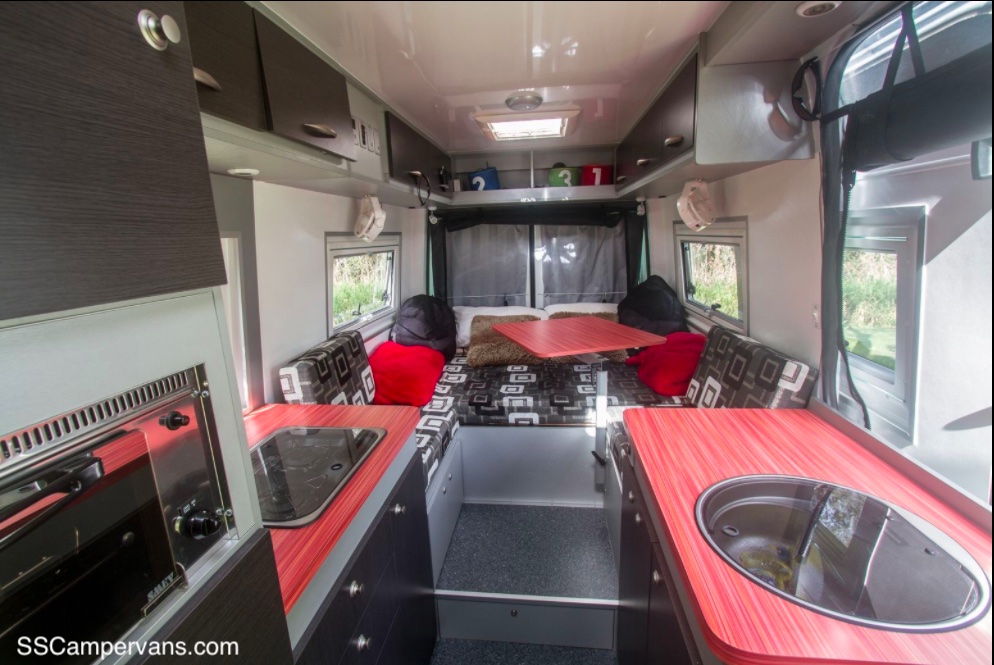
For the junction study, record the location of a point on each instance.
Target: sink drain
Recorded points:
(730, 531)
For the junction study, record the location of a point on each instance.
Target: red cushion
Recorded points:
(667, 368)
(405, 374)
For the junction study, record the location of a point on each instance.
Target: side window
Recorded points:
(363, 280)
(234, 312)
(881, 269)
(713, 272)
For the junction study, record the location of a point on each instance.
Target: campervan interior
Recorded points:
(525, 333)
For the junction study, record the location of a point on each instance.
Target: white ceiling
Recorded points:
(438, 63)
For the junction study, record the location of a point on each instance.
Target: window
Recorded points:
(713, 272)
(234, 312)
(880, 293)
(362, 280)
(579, 264)
(488, 265)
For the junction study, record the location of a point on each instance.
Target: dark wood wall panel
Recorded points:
(104, 189)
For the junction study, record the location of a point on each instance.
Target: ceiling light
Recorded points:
(243, 172)
(538, 51)
(524, 101)
(535, 125)
(814, 8)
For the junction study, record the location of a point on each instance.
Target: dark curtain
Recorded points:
(933, 95)
(437, 274)
(636, 248)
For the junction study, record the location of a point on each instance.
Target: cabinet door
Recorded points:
(412, 638)
(226, 61)
(407, 150)
(676, 113)
(104, 189)
(307, 99)
(669, 637)
(634, 574)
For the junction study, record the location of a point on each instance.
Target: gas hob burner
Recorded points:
(299, 470)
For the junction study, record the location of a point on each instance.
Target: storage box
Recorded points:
(597, 174)
(484, 179)
(564, 176)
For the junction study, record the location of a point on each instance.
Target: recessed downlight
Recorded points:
(523, 101)
(814, 8)
(243, 172)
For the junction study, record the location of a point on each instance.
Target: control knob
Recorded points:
(197, 525)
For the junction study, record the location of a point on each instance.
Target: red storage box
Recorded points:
(597, 174)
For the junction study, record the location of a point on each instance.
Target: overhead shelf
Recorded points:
(535, 195)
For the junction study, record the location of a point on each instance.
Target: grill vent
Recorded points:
(58, 431)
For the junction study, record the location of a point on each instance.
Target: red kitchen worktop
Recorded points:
(681, 452)
(300, 552)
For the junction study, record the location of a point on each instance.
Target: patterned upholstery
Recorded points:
(734, 372)
(333, 372)
(544, 394)
(337, 372)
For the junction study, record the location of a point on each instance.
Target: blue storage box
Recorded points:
(484, 179)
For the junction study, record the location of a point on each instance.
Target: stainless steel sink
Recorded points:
(843, 553)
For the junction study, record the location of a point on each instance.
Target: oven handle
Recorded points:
(80, 474)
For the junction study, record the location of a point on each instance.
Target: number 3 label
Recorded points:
(567, 177)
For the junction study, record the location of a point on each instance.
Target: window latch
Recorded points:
(715, 307)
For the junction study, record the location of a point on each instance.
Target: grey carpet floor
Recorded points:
(531, 550)
(469, 652)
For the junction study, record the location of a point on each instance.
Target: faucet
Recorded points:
(819, 498)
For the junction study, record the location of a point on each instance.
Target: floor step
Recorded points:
(541, 575)
(474, 652)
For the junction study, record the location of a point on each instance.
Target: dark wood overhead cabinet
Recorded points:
(226, 61)
(409, 152)
(307, 99)
(665, 132)
(104, 189)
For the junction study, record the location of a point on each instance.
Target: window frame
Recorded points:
(890, 394)
(234, 303)
(346, 244)
(729, 231)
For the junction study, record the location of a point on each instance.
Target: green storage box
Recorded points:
(564, 176)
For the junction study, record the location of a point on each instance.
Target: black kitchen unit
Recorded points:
(104, 188)
(382, 608)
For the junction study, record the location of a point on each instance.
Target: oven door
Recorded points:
(84, 548)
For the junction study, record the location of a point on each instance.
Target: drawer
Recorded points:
(369, 637)
(351, 599)
(444, 503)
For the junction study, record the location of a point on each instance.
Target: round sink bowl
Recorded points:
(843, 553)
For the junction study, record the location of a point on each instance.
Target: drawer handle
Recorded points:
(671, 141)
(356, 588)
(638, 518)
(399, 509)
(205, 79)
(159, 32)
(322, 131)
(656, 577)
(645, 161)
(363, 643)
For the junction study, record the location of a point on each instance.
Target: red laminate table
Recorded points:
(585, 337)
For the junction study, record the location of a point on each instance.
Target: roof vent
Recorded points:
(814, 8)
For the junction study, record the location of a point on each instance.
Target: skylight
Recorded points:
(528, 129)
(518, 126)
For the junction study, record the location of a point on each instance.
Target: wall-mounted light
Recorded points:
(432, 219)
(640, 211)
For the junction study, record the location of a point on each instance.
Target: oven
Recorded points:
(104, 512)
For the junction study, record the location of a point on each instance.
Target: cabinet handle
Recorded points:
(159, 32)
(621, 178)
(322, 131)
(638, 518)
(671, 141)
(399, 509)
(656, 577)
(450, 476)
(356, 588)
(645, 161)
(363, 643)
(631, 496)
(205, 79)
(445, 489)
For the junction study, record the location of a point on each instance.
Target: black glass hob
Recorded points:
(299, 470)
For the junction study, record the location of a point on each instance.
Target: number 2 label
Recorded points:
(479, 183)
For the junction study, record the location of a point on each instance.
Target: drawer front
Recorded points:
(445, 503)
(229, 80)
(351, 599)
(308, 100)
(369, 637)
